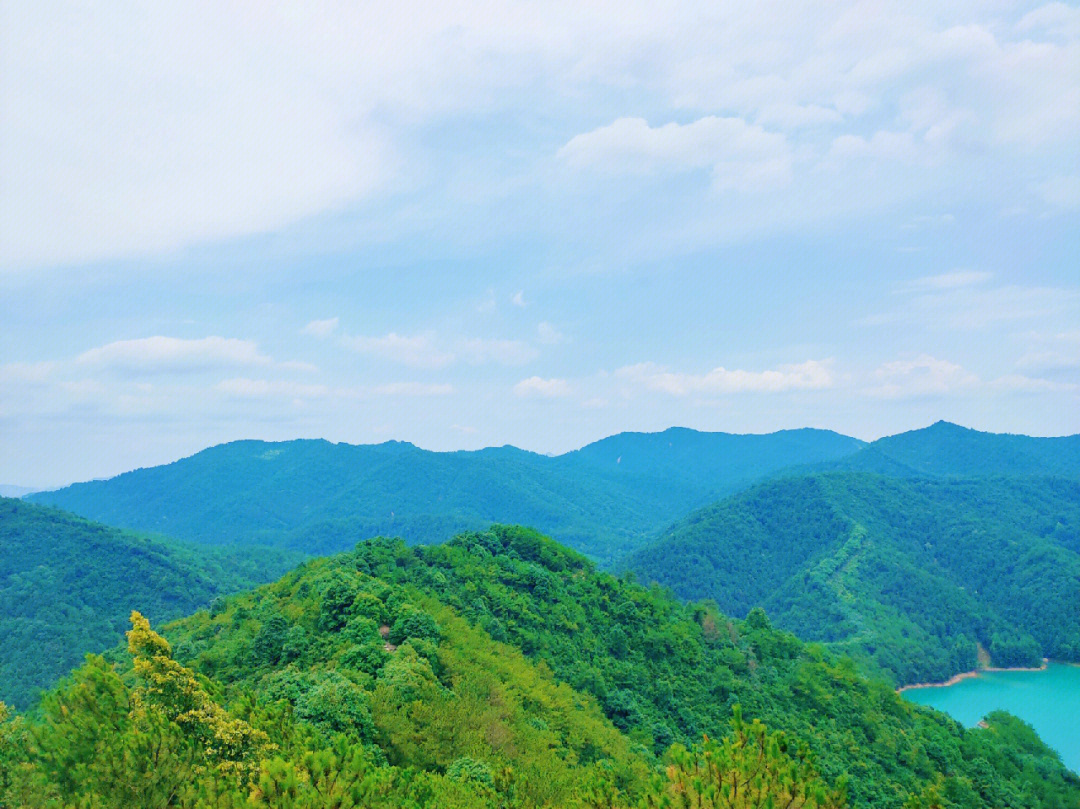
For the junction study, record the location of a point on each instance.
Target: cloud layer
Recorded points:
(184, 124)
(809, 375)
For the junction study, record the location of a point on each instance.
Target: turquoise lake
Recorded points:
(1047, 700)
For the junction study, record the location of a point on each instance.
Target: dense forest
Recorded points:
(318, 497)
(499, 669)
(68, 585)
(909, 576)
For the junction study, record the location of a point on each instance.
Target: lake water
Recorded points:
(1047, 700)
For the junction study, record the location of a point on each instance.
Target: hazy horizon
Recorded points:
(62, 484)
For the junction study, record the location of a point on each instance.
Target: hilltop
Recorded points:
(949, 450)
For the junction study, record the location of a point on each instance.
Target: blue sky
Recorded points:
(538, 224)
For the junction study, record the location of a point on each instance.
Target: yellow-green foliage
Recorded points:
(172, 692)
(749, 768)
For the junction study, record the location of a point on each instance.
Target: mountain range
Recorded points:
(318, 497)
(502, 668)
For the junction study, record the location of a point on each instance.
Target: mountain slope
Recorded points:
(67, 586)
(907, 575)
(948, 450)
(321, 497)
(498, 669)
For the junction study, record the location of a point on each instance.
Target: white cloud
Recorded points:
(261, 388)
(965, 300)
(928, 376)
(1052, 353)
(739, 155)
(1061, 191)
(809, 375)
(534, 386)
(794, 116)
(882, 145)
(133, 133)
(922, 376)
(1018, 383)
(320, 328)
(948, 280)
(419, 350)
(282, 388)
(548, 334)
(1050, 361)
(26, 372)
(504, 352)
(413, 389)
(427, 351)
(163, 354)
(1056, 19)
(519, 299)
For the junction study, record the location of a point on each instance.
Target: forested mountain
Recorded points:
(689, 456)
(907, 575)
(948, 450)
(67, 586)
(320, 497)
(496, 670)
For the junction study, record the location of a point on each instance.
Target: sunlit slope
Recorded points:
(660, 671)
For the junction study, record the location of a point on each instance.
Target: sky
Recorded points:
(466, 225)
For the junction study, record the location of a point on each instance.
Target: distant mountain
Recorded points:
(689, 456)
(320, 497)
(7, 490)
(68, 585)
(907, 575)
(948, 450)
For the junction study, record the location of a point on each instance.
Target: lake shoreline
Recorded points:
(1047, 698)
(967, 675)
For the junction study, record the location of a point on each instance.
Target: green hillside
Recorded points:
(320, 497)
(67, 586)
(499, 669)
(907, 575)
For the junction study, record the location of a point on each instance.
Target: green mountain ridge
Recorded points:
(949, 450)
(498, 669)
(906, 575)
(67, 586)
(320, 497)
